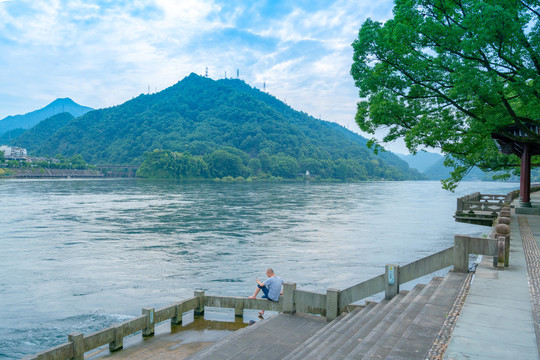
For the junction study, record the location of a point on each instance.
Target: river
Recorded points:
(79, 255)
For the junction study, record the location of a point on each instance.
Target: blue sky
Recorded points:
(102, 53)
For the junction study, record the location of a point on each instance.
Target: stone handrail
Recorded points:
(329, 305)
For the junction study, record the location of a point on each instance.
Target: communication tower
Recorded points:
(206, 74)
(264, 86)
(238, 73)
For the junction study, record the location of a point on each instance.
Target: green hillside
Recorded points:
(36, 136)
(210, 123)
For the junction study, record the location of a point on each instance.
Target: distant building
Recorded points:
(13, 152)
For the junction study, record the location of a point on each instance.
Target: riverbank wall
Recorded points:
(33, 173)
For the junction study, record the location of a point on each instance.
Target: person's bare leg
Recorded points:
(257, 290)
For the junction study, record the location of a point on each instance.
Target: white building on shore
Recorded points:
(13, 152)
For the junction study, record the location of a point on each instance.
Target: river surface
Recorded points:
(79, 255)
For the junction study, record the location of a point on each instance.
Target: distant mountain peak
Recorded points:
(31, 119)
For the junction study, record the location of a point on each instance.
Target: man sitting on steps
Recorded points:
(271, 288)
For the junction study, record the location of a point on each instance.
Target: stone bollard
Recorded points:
(502, 232)
(503, 220)
(505, 213)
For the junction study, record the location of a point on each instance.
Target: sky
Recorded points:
(103, 53)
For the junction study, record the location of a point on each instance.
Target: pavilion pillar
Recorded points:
(525, 179)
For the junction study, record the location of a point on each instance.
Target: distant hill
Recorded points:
(438, 171)
(37, 135)
(422, 160)
(31, 119)
(9, 136)
(200, 122)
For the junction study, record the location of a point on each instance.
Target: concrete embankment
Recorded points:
(54, 173)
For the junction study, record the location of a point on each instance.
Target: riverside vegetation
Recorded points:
(200, 128)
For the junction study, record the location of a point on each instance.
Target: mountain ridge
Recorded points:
(200, 116)
(30, 119)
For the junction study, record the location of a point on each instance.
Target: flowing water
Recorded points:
(79, 255)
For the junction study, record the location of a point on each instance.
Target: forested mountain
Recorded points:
(217, 129)
(31, 119)
(36, 136)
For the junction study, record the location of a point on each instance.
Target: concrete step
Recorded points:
(350, 338)
(416, 340)
(268, 339)
(328, 329)
(369, 340)
(414, 306)
(342, 335)
(337, 342)
(377, 338)
(357, 321)
(318, 342)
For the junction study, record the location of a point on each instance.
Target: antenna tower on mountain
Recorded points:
(225, 74)
(264, 86)
(238, 73)
(206, 74)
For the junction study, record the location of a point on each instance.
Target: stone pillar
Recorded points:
(199, 310)
(502, 232)
(150, 326)
(288, 298)
(78, 345)
(239, 309)
(500, 252)
(177, 319)
(118, 342)
(461, 253)
(332, 304)
(525, 177)
(391, 276)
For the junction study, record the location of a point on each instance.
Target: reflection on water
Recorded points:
(79, 255)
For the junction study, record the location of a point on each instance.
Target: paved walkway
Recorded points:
(497, 319)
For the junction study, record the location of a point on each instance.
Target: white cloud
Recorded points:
(103, 53)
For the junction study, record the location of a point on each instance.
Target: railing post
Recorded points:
(77, 339)
(288, 298)
(500, 252)
(150, 326)
(177, 319)
(459, 207)
(461, 253)
(199, 310)
(118, 342)
(391, 275)
(503, 232)
(239, 308)
(332, 304)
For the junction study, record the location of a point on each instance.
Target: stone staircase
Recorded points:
(402, 328)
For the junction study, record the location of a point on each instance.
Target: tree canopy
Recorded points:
(446, 74)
